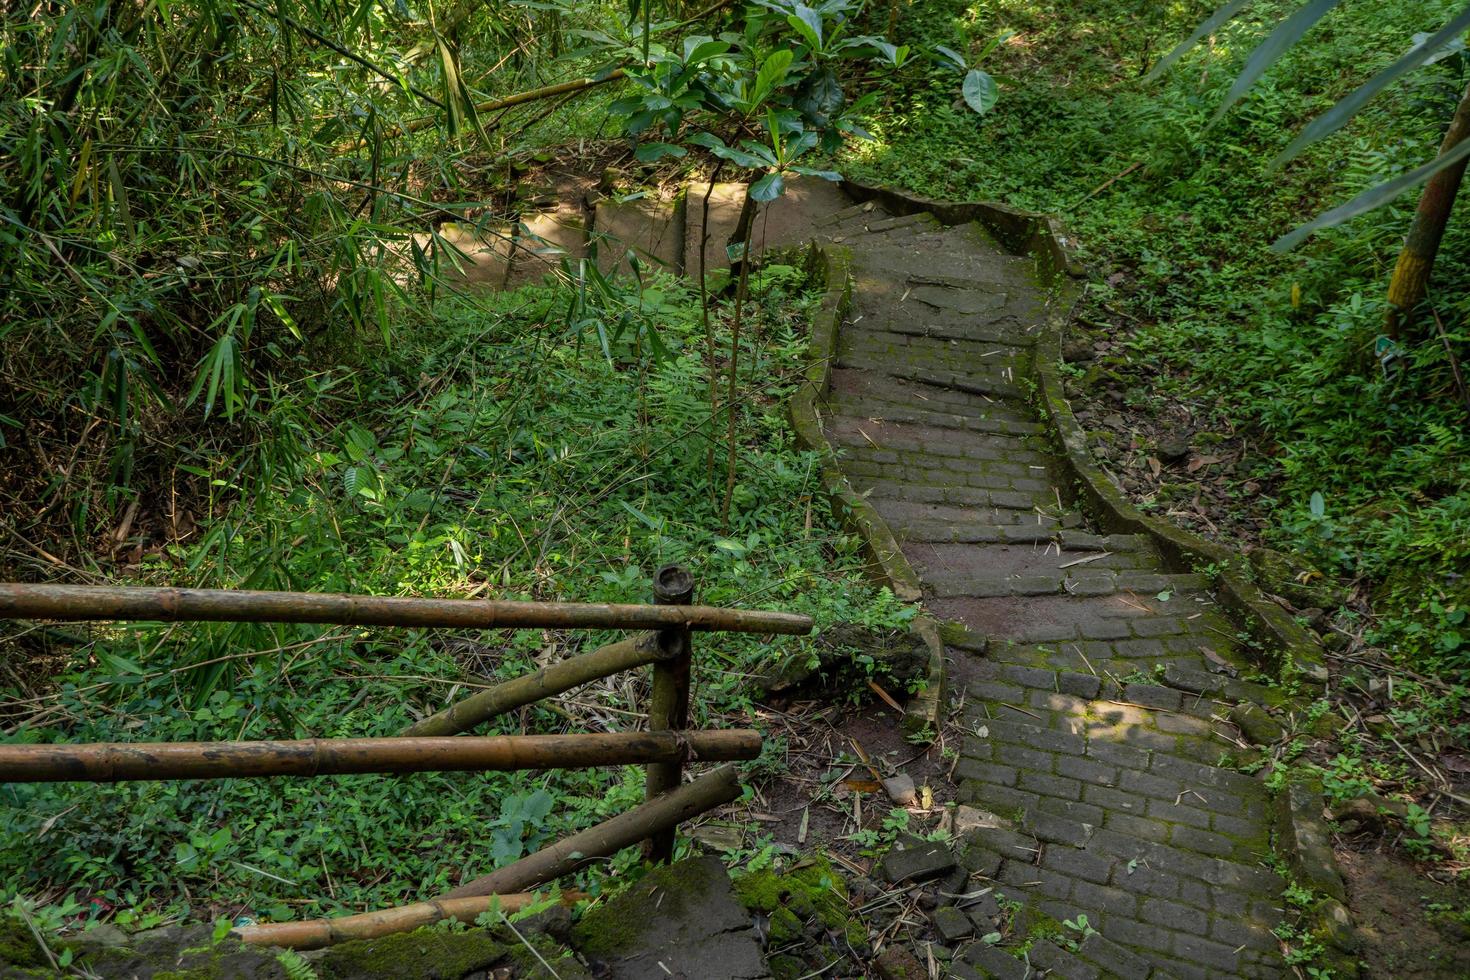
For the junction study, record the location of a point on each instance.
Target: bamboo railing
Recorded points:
(435, 743)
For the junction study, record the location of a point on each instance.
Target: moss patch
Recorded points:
(426, 954)
(619, 927)
(811, 892)
(17, 944)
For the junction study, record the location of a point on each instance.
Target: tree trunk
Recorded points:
(1416, 261)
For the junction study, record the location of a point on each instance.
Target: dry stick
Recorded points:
(317, 933)
(107, 762)
(646, 819)
(635, 651)
(1106, 184)
(734, 370)
(1454, 361)
(19, 600)
(709, 335)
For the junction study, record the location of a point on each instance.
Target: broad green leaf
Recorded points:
(1269, 51)
(831, 175)
(980, 91)
(808, 23)
(701, 48)
(1372, 198)
(1210, 25)
(953, 56)
(1318, 504)
(1335, 118)
(772, 72)
(653, 152)
(768, 188)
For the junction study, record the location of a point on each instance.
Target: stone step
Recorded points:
(1001, 329)
(999, 420)
(882, 433)
(1077, 582)
(903, 514)
(877, 489)
(941, 561)
(904, 462)
(972, 531)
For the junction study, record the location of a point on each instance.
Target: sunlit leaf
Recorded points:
(980, 91)
(768, 188)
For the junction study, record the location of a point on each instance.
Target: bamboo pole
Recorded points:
(120, 761)
(1411, 273)
(624, 830)
(317, 933)
(24, 600)
(668, 704)
(635, 651)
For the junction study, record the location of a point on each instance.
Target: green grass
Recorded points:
(500, 450)
(1179, 248)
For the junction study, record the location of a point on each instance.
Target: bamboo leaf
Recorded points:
(1372, 198)
(1210, 26)
(1335, 118)
(1269, 51)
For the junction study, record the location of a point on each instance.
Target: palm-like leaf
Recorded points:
(1335, 118)
(1374, 197)
(1269, 51)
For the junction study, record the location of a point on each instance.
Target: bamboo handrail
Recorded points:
(627, 828)
(120, 761)
(317, 933)
(635, 651)
(23, 600)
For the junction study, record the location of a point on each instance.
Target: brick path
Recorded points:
(1091, 739)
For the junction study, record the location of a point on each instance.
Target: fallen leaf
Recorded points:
(1155, 466)
(1198, 462)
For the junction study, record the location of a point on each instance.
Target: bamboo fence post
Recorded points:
(668, 705)
(635, 651)
(567, 855)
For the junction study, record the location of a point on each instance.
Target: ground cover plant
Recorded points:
(497, 450)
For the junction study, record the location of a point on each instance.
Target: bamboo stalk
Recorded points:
(24, 600)
(1437, 202)
(567, 855)
(119, 761)
(317, 933)
(668, 703)
(635, 651)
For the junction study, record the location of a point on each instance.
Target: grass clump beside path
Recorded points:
(538, 444)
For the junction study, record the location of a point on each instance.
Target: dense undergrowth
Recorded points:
(1357, 461)
(497, 450)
